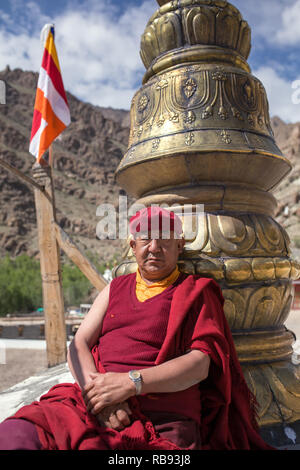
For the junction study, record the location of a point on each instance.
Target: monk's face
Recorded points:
(157, 257)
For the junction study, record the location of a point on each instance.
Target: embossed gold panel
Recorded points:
(207, 123)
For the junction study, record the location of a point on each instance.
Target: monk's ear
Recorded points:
(132, 244)
(181, 244)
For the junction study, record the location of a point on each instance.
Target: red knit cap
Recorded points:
(155, 220)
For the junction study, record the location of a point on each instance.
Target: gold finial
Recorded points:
(162, 2)
(190, 31)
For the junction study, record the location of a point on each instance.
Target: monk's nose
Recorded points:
(154, 245)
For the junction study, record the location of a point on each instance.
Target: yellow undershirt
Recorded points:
(146, 291)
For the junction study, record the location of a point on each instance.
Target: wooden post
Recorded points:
(78, 258)
(55, 327)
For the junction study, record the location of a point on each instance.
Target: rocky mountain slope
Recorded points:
(85, 158)
(288, 192)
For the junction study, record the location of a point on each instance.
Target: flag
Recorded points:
(51, 110)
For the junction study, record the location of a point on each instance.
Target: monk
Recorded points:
(154, 364)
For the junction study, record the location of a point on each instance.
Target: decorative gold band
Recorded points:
(215, 198)
(264, 346)
(234, 271)
(196, 55)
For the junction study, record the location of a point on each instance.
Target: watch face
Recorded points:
(135, 374)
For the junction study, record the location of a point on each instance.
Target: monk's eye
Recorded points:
(145, 241)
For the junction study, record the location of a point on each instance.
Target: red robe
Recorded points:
(228, 420)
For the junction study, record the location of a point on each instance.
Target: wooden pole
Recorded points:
(55, 327)
(51, 156)
(78, 258)
(22, 176)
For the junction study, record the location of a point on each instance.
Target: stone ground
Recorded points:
(21, 364)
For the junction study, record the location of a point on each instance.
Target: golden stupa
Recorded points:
(201, 134)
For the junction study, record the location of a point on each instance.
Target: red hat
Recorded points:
(155, 219)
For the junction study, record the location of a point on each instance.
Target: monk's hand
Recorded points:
(107, 389)
(115, 416)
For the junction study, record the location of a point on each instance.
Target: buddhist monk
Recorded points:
(153, 361)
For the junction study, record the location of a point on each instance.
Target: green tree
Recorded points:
(76, 287)
(20, 285)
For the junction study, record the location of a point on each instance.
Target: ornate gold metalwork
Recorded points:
(222, 117)
(201, 134)
(185, 31)
(279, 379)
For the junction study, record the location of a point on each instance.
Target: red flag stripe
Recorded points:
(49, 65)
(36, 122)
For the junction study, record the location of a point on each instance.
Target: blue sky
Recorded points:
(98, 46)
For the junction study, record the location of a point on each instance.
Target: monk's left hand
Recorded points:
(107, 389)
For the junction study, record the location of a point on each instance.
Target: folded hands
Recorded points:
(105, 397)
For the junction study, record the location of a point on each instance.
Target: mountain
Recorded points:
(288, 192)
(85, 158)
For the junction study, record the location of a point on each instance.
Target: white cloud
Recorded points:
(20, 51)
(105, 95)
(289, 33)
(280, 94)
(98, 50)
(101, 62)
(264, 17)
(98, 47)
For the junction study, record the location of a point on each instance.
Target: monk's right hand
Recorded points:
(115, 416)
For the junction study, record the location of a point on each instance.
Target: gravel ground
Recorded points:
(21, 364)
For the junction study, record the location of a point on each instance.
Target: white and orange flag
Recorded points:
(51, 110)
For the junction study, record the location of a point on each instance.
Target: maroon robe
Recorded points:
(228, 420)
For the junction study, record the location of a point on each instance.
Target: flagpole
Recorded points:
(51, 163)
(50, 265)
(56, 114)
(51, 156)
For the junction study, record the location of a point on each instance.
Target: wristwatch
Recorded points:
(136, 377)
